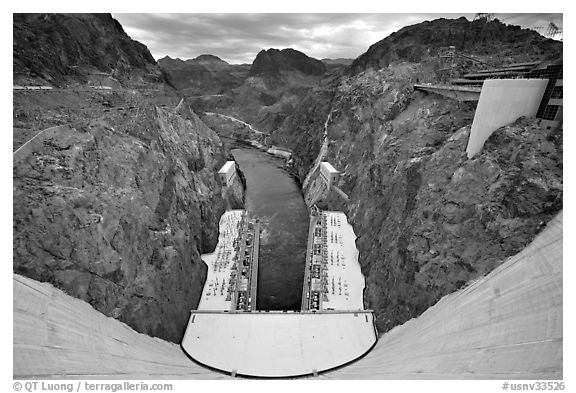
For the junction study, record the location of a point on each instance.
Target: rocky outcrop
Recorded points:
(54, 47)
(169, 64)
(211, 62)
(118, 214)
(493, 41)
(428, 220)
(269, 63)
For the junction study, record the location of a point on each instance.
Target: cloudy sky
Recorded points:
(237, 38)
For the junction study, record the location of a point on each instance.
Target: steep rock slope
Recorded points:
(493, 41)
(269, 63)
(277, 81)
(428, 220)
(118, 214)
(50, 47)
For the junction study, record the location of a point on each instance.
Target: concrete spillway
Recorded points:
(507, 325)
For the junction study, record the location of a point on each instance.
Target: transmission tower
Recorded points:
(549, 31)
(486, 17)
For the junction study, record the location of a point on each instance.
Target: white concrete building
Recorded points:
(328, 173)
(217, 291)
(502, 101)
(227, 173)
(345, 281)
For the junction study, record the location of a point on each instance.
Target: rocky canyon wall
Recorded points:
(118, 214)
(428, 219)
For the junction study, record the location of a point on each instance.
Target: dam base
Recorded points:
(332, 328)
(274, 344)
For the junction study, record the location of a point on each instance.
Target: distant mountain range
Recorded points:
(210, 62)
(205, 74)
(208, 74)
(340, 60)
(262, 92)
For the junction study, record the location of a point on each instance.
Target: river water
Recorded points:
(274, 197)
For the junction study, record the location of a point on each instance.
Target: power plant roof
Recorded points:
(226, 167)
(329, 167)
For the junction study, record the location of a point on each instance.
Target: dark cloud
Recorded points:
(237, 38)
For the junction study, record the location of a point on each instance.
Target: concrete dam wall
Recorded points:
(502, 101)
(507, 325)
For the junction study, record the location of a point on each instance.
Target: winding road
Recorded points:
(238, 121)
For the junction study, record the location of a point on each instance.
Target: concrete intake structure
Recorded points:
(506, 325)
(227, 173)
(502, 101)
(328, 173)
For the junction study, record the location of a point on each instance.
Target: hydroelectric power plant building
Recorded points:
(227, 332)
(328, 173)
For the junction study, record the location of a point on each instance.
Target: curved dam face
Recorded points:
(57, 336)
(507, 325)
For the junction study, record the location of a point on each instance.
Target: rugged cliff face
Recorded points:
(269, 63)
(493, 42)
(116, 203)
(52, 48)
(118, 214)
(428, 220)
